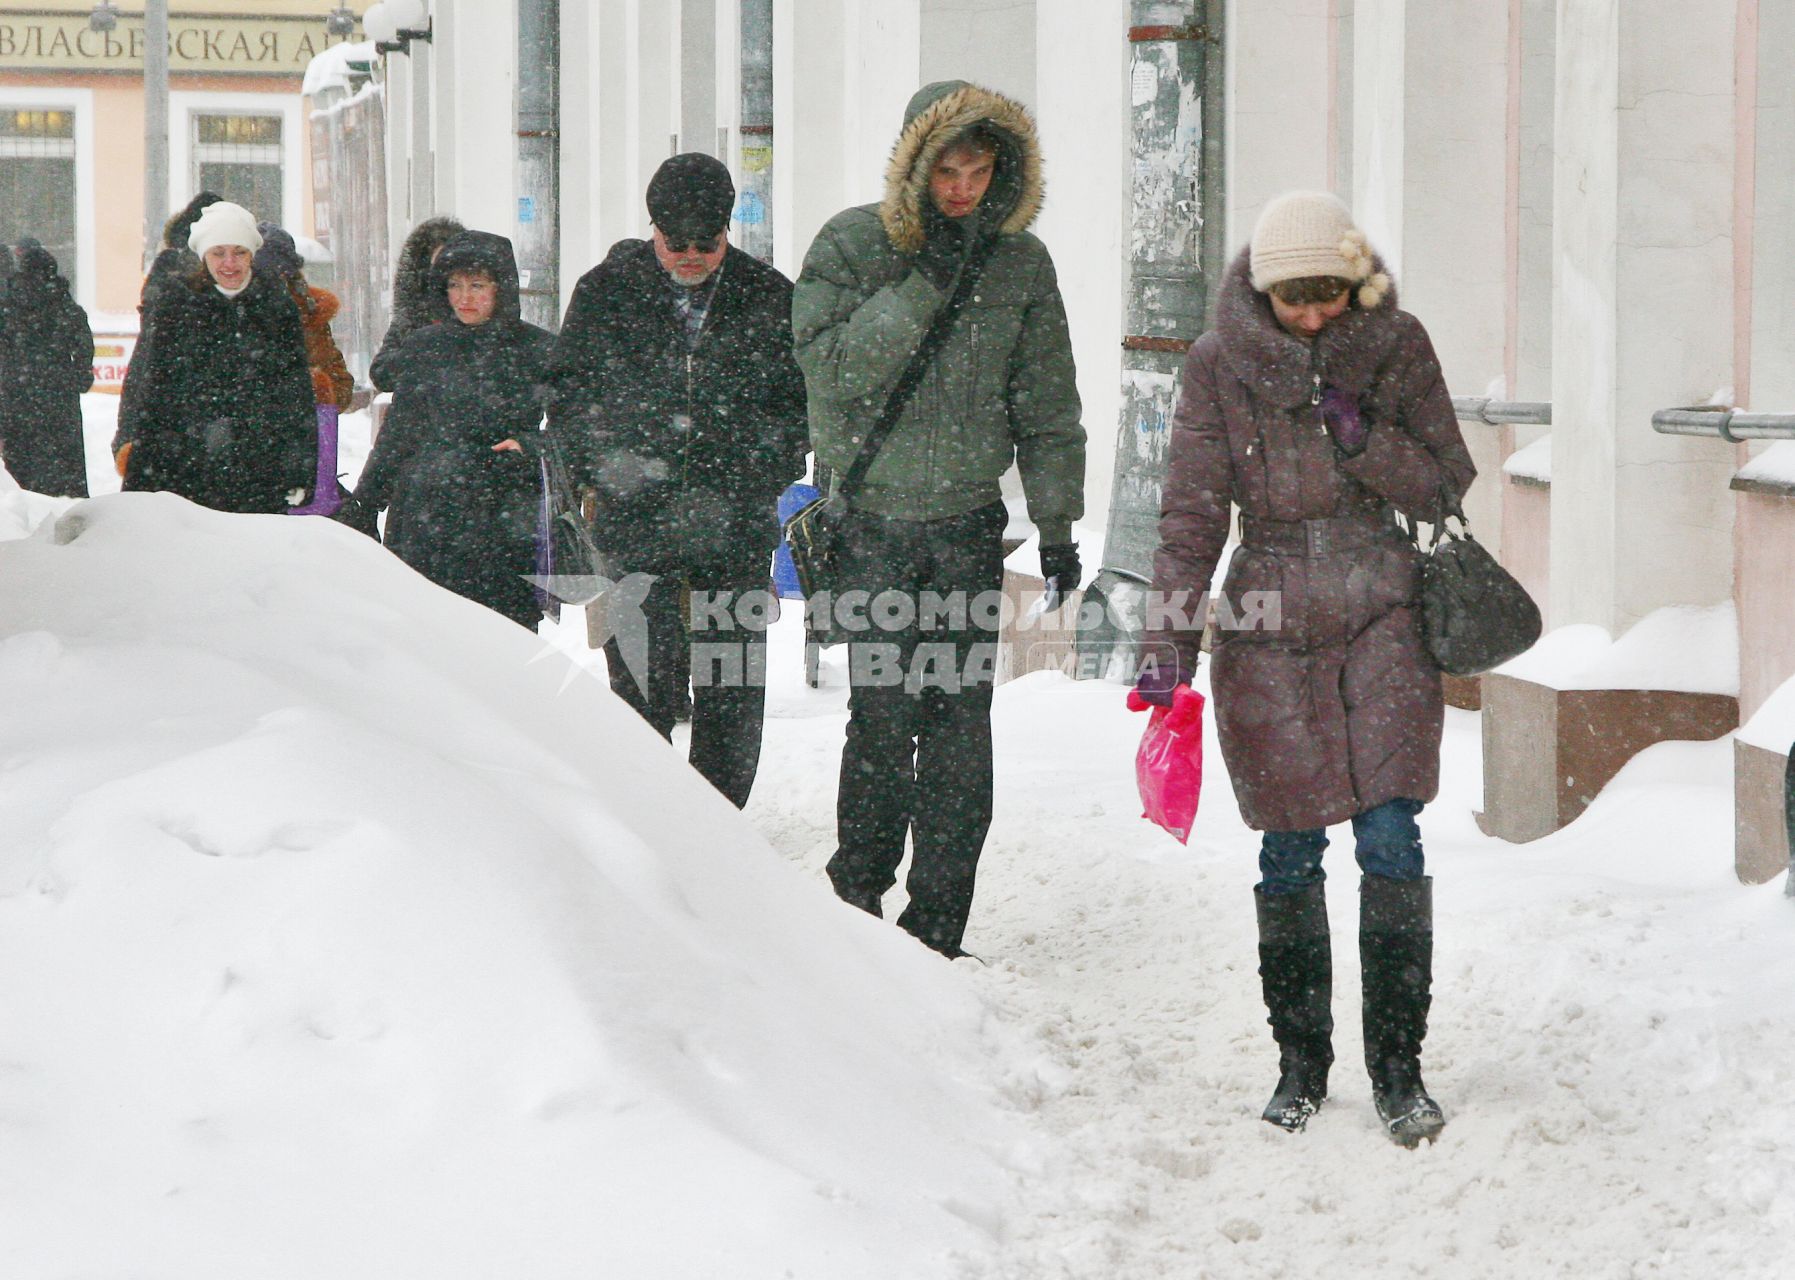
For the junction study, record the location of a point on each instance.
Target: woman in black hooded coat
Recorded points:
(456, 465)
(48, 364)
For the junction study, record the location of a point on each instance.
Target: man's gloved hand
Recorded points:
(1159, 681)
(1060, 567)
(1347, 426)
(943, 250)
(122, 459)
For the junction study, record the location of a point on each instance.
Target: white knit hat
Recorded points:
(1311, 233)
(224, 223)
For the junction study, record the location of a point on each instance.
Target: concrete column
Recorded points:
(1084, 144)
(656, 90)
(696, 41)
(583, 161)
(990, 42)
(843, 70)
(1379, 99)
(1529, 363)
(475, 141)
(1773, 248)
(1642, 235)
(1454, 199)
(1277, 124)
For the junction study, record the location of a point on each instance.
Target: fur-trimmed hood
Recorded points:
(1256, 349)
(480, 251)
(415, 302)
(937, 116)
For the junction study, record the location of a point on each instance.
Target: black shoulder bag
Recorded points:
(1474, 614)
(813, 532)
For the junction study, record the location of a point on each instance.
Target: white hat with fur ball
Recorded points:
(1311, 233)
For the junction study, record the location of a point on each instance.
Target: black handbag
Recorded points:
(813, 532)
(569, 566)
(1474, 614)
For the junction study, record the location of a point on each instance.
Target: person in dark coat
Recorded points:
(1318, 409)
(678, 402)
(217, 403)
(172, 267)
(417, 302)
(456, 466)
(48, 363)
(332, 383)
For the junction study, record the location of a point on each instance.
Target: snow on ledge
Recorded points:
(1531, 462)
(1680, 649)
(1774, 466)
(330, 69)
(1772, 726)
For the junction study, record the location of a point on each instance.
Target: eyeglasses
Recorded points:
(677, 245)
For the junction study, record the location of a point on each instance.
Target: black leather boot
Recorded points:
(1396, 943)
(1296, 972)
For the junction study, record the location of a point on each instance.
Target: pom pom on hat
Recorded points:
(224, 223)
(1311, 233)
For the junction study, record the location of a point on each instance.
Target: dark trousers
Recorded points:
(724, 657)
(917, 760)
(1387, 841)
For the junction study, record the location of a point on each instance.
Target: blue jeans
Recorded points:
(1388, 845)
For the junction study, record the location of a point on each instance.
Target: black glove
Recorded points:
(943, 250)
(1059, 565)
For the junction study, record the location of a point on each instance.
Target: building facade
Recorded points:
(72, 146)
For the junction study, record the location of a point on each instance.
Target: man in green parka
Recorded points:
(924, 536)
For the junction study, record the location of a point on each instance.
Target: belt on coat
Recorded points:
(1322, 537)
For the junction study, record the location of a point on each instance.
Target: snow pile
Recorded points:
(1681, 648)
(345, 930)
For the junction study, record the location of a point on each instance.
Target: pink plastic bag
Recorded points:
(1168, 768)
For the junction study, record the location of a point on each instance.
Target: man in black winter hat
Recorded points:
(677, 403)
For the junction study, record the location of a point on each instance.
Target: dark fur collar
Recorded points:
(1256, 349)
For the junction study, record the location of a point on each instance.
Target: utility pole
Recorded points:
(155, 126)
(1174, 255)
(754, 207)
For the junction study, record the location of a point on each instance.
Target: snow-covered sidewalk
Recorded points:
(335, 912)
(1612, 1036)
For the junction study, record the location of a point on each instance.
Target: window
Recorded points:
(37, 180)
(242, 158)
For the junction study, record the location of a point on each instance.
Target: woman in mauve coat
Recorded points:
(1318, 409)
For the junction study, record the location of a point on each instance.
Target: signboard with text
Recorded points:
(196, 44)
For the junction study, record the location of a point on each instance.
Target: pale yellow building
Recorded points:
(72, 127)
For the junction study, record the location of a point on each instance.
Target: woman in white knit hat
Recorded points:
(218, 398)
(1318, 409)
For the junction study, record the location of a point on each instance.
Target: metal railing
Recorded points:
(1520, 413)
(1730, 425)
